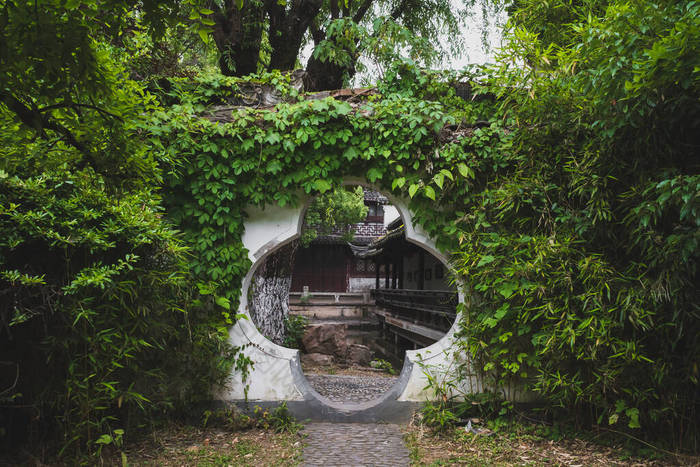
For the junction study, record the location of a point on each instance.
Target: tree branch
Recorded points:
(399, 10)
(87, 106)
(33, 118)
(317, 34)
(360, 13)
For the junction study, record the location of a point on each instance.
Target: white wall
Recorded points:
(361, 284)
(390, 213)
(276, 373)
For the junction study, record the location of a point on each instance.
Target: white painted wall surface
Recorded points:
(361, 284)
(267, 228)
(390, 213)
(271, 378)
(275, 367)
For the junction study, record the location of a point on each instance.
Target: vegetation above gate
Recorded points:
(565, 186)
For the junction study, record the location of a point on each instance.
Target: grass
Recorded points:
(213, 447)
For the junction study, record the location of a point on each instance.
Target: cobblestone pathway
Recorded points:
(344, 388)
(354, 444)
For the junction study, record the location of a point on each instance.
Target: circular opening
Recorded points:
(353, 297)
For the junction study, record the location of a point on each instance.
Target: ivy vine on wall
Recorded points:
(306, 145)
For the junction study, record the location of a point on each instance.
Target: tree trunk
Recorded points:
(287, 30)
(324, 76)
(238, 34)
(269, 301)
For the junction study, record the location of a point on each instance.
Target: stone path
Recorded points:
(345, 388)
(354, 444)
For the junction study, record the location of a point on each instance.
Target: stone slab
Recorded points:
(354, 444)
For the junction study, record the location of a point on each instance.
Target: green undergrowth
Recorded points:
(278, 419)
(294, 326)
(525, 443)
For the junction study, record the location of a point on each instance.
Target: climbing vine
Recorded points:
(528, 211)
(301, 146)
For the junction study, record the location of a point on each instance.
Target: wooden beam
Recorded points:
(411, 327)
(376, 267)
(386, 273)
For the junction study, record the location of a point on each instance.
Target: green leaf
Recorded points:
(429, 192)
(274, 167)
(398, 182)
(223, 302)
(104, 439)
(633, 414)
(273, 138)
(374, 174)
(321, 185)
(412, 190)
(486, 259)
(319, 105)
(465, 171)
(351, 153)
(501, 312)
(507, 288)
(343, 108)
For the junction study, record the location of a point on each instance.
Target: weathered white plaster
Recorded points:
(390, 214)
(267, 228)
(361, 284)
(271, 377)
(439, 361)
(276, 373)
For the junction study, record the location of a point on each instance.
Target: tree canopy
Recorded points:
(269, 34)
(335, 211)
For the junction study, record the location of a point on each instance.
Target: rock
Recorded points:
(316, 359)
(327, 339)
(359, 354)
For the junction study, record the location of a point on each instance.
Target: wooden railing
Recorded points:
(438, 302)
(329, 298)
(434, 309)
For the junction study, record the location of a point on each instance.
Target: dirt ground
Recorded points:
(189, 446)
(520, 446)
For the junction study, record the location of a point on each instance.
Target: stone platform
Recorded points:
(354, 444)
(347, 388)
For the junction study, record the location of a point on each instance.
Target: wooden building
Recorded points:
(329, 265)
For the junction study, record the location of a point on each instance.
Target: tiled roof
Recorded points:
(375, 196)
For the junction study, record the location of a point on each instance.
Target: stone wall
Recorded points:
(328, 312)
